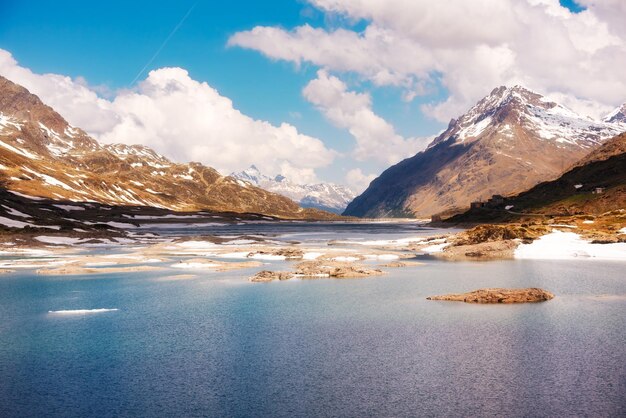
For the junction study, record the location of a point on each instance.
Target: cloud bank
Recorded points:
(466, 48)
(179, 117)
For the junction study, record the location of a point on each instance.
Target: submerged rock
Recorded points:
(498, 295)
(398, 264)
(287, 253)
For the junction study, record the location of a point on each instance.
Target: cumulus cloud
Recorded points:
(358, 181)
(182, 118)
(71, 98)
(468, 47)
(376, 139)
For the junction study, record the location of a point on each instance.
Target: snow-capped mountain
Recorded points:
(326, 196)
(508, 142)
(550, 121)
(617, 116)
(42, 155)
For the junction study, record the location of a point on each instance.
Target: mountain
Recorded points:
(617, 116)
(42, 155)
(325, 196)
(573, 193)
(508, 142)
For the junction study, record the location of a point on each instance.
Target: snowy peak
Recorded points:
(252, 175)
(508, 111)
(326, 196)
(502, 96)
(617, 116)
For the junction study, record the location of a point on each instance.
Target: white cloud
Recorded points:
(181, 118)
(376, 139)
(71, 98)
(358, 181)
(470, 47)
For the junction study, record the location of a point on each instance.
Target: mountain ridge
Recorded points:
(325, 196)
(41, 154)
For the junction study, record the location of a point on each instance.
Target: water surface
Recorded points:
(221, 346)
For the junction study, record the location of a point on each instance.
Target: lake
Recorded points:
(219, 345)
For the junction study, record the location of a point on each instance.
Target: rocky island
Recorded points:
(498, 295)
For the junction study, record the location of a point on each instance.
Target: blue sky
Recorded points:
(108, 42)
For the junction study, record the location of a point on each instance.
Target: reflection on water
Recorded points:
(218, 345)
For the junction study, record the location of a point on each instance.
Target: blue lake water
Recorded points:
(222, 346)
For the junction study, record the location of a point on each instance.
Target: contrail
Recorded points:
(164, 43)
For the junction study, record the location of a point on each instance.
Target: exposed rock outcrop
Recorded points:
(336, 269)
(319, 269)
(268, 276)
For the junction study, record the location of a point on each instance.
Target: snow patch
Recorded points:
(59, 240)
(432, 249)
(312, 256)
(569, 246)
(69, 207)
(12, 223)
(22, 152)
(26, 196)
(195, 265)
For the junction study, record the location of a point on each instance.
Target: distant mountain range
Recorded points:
(42, 155)
(326, 196)
(508, 142)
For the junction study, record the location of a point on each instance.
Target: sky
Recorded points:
(317, 90)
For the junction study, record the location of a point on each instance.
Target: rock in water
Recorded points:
(498, 295)
(268, 276)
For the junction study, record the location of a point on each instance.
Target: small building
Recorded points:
(496, 200)
(598, 190)
(477, 205)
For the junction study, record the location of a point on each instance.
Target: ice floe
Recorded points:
(82, 311)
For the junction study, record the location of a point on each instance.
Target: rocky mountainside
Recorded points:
(508, 142)
(593, 186)
(325, 196)
(43, 155)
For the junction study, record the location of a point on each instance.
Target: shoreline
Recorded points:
(555, 239)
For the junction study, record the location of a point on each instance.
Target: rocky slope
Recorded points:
(24, 219)
(508, 142)
(43, 155)
(324, 196)
(573, 193)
